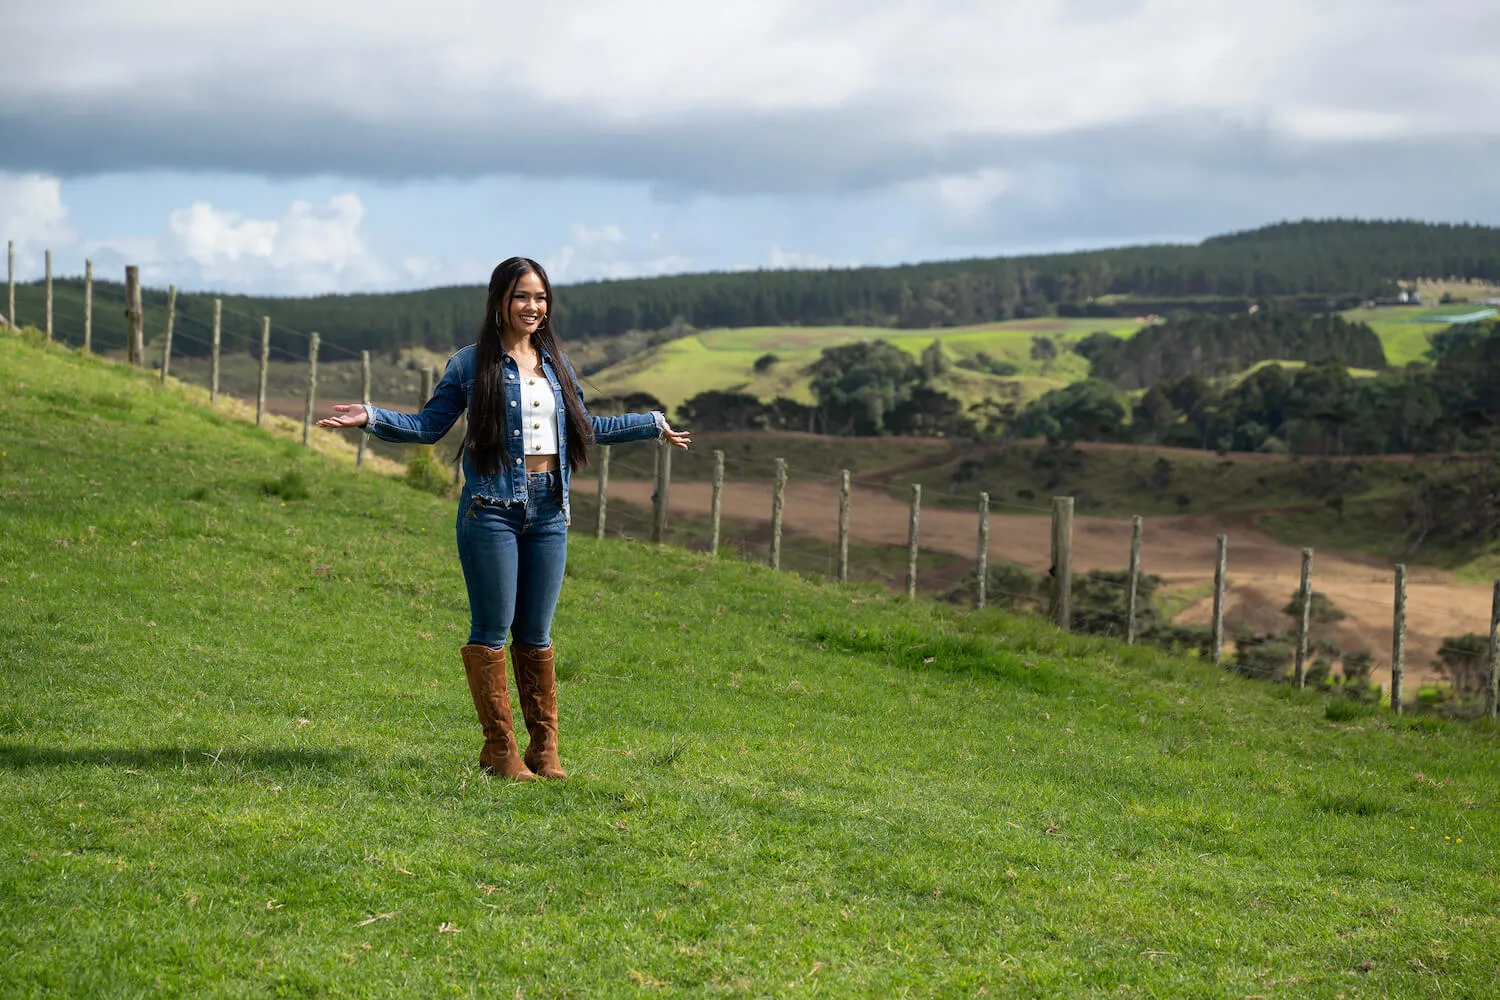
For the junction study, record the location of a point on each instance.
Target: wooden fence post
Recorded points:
(1398, 642)
(10, 282)
(778, 500)
(364, 398)
(135, 318)
(1220, 562)
(1492, 675)
(265, 360)
(426, 386)
(1135, 579)
(716, 508)
(844, 502)
(911, 541)
(982, 557)
(1304, 621)
(1062, 562)
(88, 306)
(166, 342)
(659, 496)
(312, 390)
(213, 365)
(603, 489)
(48, 255)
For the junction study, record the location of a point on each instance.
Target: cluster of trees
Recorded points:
(864, 388)
(1327, 260)
(1453, 403)
(1207, 345)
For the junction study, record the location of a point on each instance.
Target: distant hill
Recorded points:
(1334, 262)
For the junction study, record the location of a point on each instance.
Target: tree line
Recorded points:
(1324, 264)
(1451, 402)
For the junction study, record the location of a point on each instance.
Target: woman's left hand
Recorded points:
(677, 439)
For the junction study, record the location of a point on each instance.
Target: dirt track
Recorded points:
(1263, 573)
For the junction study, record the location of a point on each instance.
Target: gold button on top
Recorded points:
(537, 424)
(536, 402)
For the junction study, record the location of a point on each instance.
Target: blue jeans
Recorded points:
(513, 558)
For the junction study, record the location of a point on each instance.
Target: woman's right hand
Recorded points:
(346, 415)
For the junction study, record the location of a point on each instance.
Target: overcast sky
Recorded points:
(314, 146)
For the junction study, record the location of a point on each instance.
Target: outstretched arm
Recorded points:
(437, 415)
(346, 415)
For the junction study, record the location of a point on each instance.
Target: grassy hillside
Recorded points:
(237, 758)
(725, 359)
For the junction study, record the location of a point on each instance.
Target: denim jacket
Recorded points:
(451, 398)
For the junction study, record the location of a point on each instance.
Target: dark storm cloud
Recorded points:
(1169, 113)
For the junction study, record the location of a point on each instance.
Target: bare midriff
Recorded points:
(541, 463)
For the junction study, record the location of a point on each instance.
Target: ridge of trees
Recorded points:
(1209, 346)
(1452, 404)
(1324, 264)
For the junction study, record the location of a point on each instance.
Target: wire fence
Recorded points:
(1470, 665)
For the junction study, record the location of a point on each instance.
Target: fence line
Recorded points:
(1058, 596)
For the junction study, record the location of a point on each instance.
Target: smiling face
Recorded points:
(526, 307)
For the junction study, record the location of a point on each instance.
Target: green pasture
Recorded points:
(237, 758)
(725, 359)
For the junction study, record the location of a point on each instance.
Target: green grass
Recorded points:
(237, 759)
(725, 359)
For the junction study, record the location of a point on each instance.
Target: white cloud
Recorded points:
(209, 237)
(606, 252)
(33, 216)
(780, 259)
(308, 248)
(421, 269)
(962, 195)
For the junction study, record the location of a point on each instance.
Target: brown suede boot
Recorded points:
(536, 681)
(491, 690)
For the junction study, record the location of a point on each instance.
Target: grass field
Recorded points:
(237, 759)
(725, 359)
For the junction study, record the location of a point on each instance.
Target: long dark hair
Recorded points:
(486, 436)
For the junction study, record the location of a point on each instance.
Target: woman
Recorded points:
(527, 431)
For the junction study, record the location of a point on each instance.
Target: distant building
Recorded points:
(1403, 298)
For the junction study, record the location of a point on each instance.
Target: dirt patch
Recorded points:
(1263, 573)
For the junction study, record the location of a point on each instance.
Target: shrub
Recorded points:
(1324, 611)
(1320, 672)
(1461, 658)
(1357, 665)
(1264, 657)
(1007, 585)
(1342, 710)
(425, 472)
(765, 362)
(291, 485)
(1101, 603)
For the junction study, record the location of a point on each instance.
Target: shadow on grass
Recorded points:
(915, 649)
(19, 758)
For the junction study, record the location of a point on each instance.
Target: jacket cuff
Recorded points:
(661, 422)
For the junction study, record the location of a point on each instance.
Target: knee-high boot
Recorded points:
(536, 681)
(490, 687)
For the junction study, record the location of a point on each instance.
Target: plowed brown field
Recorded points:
(1263, 573)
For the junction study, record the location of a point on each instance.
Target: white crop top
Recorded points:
(538, 417)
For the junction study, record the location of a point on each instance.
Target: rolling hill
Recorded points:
(1338, 262)
(236, 757)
